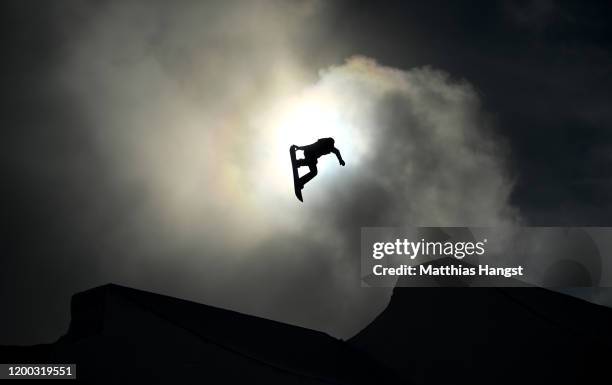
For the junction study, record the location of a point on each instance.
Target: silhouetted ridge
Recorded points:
(426, 335)
(118, 332)
(490, 336)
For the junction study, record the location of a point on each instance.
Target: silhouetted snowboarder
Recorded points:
(312, 152)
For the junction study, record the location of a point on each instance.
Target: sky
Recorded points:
(145, 144)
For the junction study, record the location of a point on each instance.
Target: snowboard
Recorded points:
(296, 176)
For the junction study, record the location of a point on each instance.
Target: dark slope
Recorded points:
(428, 335)
(125, 335)
(491, 336)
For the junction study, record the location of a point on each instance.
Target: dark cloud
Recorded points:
(542, 68)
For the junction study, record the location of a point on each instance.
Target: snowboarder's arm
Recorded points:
(337, 153)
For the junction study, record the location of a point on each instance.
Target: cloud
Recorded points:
(426, 157)
(431, 154)
(185, 111)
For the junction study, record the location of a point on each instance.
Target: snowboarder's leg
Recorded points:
(307, 160)
(311, 174)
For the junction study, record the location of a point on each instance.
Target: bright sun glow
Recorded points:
(302, 120)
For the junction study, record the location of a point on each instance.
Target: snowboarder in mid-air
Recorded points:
(312, 152)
